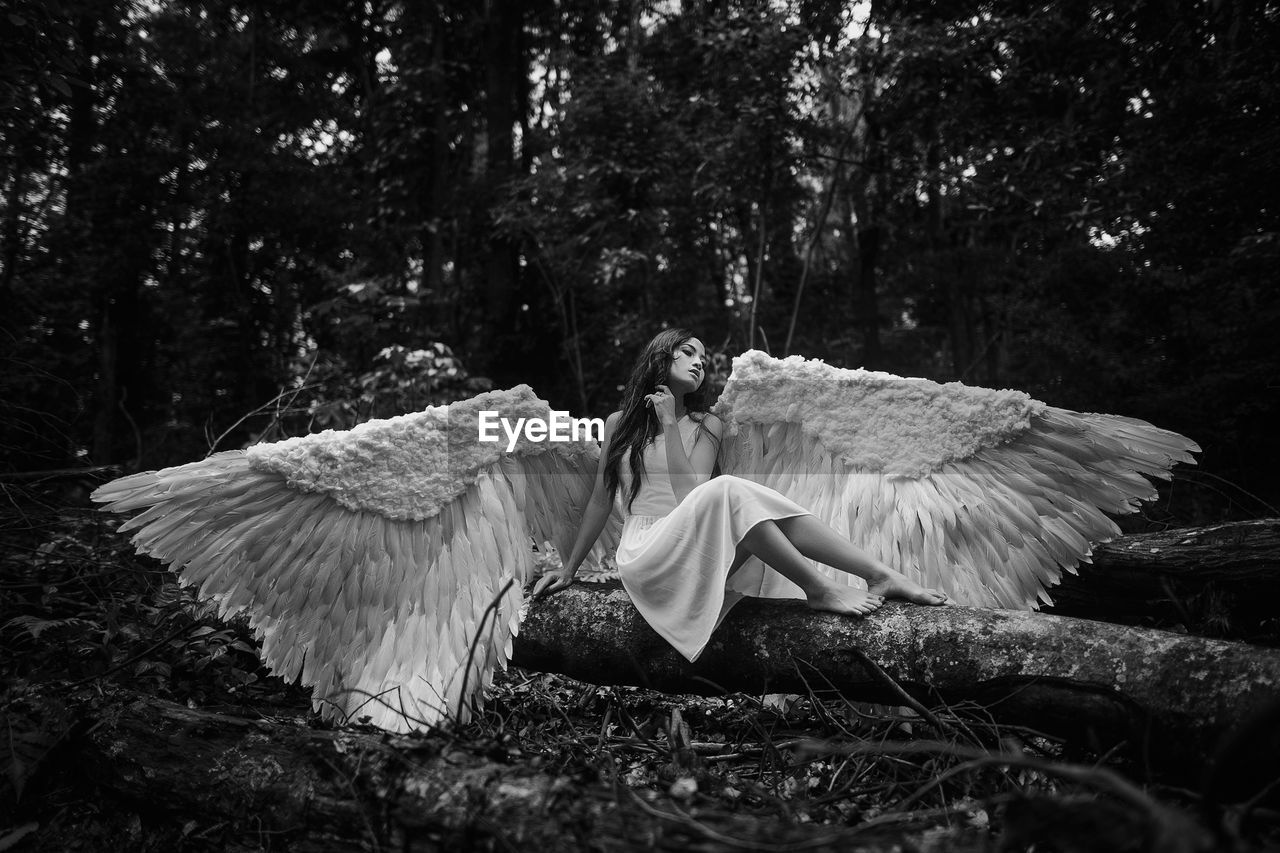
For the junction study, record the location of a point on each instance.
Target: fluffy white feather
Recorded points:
(986, 495)
(903, 427)
(384, 565)
(407, 467)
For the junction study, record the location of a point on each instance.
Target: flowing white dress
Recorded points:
(675, 559)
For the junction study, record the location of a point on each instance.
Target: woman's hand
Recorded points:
(553, 580)
(664, 405)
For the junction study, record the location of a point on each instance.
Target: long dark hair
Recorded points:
(638, 425)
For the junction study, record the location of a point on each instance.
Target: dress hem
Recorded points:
(730, 572)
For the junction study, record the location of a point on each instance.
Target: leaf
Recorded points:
(36, 626)
(152, 666)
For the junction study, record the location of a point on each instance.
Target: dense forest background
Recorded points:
(225, 221)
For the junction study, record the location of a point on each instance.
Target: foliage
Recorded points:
(78, 608)
(401, 380)
(201, 202)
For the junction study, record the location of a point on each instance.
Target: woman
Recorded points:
(692, 546)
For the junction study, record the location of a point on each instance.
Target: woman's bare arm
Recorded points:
(594, 518)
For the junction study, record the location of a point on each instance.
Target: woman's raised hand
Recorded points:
(664, 405)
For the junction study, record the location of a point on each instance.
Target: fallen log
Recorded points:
(1171, 696)
(1218, 580)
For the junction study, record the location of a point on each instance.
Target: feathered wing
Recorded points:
(385, 565)
(985, 495)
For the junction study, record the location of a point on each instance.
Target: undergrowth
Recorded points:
(78, 611)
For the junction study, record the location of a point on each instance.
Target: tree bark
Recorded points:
(1171, 696)
(1221, 580)
(866, 242)
(433, 250)
(11, 234)
(504, 65)
(107, 390)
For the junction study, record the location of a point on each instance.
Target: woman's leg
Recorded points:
(819, 542)
(768, 542)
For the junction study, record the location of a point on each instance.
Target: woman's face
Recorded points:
(688, 367)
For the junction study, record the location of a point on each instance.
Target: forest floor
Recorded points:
(85, 624)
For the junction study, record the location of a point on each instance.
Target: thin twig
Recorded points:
(728, 840)
(475, 640)
(213, 446)
(898, 690)
(1100, 778)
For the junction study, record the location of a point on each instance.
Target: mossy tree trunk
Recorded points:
(1170, 695)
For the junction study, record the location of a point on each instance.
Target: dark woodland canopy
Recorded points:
(374, 206)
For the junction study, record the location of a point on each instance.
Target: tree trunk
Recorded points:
(1172, 696)
(82, 129)
(11, 236)
(953, 286)
(1222, 579)
(433, 249)
(866, 240)
(82, 121)
(819, 226)
(504, 65)
(106, 391)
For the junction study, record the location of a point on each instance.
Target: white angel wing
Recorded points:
(384, 564)
(986, 495)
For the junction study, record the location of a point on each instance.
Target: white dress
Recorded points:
(675, 559)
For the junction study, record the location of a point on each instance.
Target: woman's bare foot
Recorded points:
(838, 598)
(897, 585)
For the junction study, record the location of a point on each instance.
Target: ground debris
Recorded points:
(133, 719)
